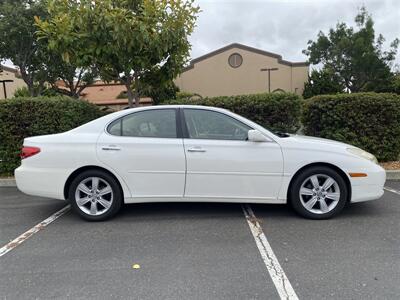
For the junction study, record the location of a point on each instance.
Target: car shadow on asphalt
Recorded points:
(351, 210)
(186, 210)
(229, 210)
(202, 211)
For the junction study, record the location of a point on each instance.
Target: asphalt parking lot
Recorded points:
(199, 251)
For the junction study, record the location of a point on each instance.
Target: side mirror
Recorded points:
(256, 136)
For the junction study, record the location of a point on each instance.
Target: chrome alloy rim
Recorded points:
(94, 196)
(319, 194)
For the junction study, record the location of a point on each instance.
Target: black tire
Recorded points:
(294, 197)
(117, 195)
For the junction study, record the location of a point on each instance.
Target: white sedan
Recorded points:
(194, 153)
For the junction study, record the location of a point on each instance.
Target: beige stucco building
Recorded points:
(10, 74)
(236, 70)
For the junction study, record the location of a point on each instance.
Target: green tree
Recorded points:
(395, 88)
(158, 93)
(38, 65)
(74, 80)
(158, 86)
(126, 39)
(18, 42)
(322, 82)
(355, 56)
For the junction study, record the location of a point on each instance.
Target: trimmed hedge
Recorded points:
(275, 111)
(24, 117)
(370, 121)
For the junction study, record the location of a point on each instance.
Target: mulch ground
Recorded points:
(391, 165)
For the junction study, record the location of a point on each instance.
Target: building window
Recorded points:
(235, 60)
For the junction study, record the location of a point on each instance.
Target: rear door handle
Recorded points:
(111, 148)
(196, 149)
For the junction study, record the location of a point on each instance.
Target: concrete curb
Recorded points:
(390, 175)
(393, 174)
(5, 182)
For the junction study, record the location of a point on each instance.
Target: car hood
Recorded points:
(312, 139)
(314, 142)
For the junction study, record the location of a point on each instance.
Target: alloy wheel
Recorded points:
(319, 194)
(94, 196)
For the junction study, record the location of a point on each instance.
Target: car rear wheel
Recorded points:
(95, 195)
(318, 193)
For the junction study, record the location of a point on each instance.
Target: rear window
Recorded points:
(150, 123)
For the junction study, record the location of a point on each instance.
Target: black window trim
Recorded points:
(177, 120)
(185, 130)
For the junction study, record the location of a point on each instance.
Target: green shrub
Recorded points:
(275, 111)
(24, 117)
(184, 95)
(123, 95)
(24, 92)
(370, 121)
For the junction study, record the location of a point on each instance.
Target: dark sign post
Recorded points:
(4, 86)
(269, 76)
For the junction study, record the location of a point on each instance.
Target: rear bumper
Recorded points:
(370, 187)
(43, 182)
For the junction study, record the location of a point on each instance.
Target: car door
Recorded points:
(144, 148)
(222, 164)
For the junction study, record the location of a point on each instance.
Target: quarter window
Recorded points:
(150, 123)
(206, 124)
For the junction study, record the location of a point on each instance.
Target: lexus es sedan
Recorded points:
(194, 153)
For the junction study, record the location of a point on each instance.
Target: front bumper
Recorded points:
(370, 187)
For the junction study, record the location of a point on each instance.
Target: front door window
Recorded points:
(212, 125)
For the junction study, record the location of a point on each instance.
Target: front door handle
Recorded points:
(196, 149)
(111, 148)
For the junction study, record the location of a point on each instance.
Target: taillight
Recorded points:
(29, 151)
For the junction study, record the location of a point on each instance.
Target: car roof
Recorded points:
(174, 106)
(128, 111)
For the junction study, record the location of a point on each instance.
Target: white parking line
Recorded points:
(27, 234)
(278, 276)
(392, 190)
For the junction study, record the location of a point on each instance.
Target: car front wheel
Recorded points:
(318, 193)
(95, 195)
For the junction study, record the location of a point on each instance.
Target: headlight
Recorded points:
(364, 154)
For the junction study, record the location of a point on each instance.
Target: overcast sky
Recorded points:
(284, 26)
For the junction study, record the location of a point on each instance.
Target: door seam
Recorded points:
(184, 152)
